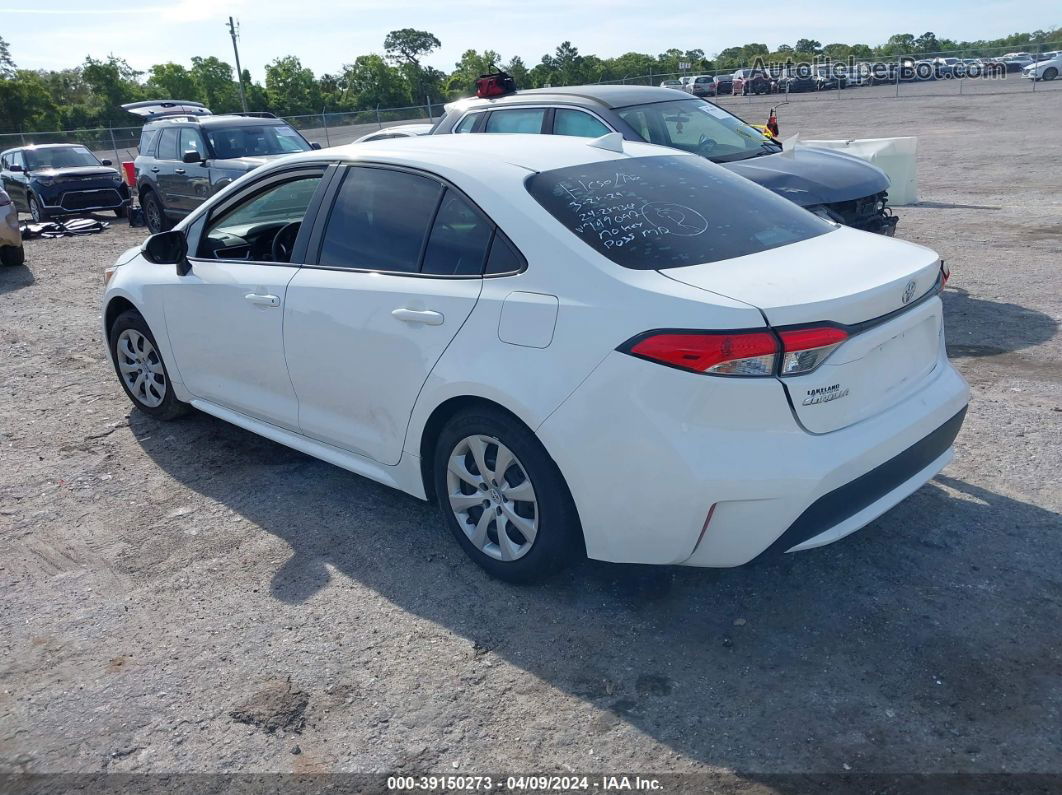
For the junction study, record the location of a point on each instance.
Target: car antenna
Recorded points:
(612, 142)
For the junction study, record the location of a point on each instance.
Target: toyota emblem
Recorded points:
(909, 291)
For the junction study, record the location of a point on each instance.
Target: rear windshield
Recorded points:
(651, 213)
(247, 141)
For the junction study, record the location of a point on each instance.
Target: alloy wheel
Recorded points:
(492, 497)
(35, 210)
(141, 368)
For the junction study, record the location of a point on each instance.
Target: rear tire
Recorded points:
(12, 256)
(525, 499)
(140, 368)
(154, 215)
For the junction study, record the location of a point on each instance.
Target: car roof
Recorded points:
(222, 120)
(602, 96)
(481, 156)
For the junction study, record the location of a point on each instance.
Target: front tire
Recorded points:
(36, 213)
(140, 369)
(121, 212)
(503, 497)
(1050, 74)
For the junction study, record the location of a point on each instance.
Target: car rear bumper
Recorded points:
(702, 471)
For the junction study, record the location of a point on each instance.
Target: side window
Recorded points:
(379, 220)
(168, 144)
(575, 122)
(459, 239)
(191, 141)
(18, 159)
(527, 120)
(247, 229)
(503, 257)
(467, 123)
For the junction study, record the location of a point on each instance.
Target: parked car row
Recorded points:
(1045, 66)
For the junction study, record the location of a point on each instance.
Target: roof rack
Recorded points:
(256, 114)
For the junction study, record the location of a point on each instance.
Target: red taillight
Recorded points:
(807, 348)
(743, 353)
(945, 273)
(714, 353)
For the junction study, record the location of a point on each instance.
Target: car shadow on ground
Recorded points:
(15, 278)
(980, 327)
(926, 641)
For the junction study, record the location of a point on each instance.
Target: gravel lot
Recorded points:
(190, 597)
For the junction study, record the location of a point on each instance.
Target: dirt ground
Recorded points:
(190, 597)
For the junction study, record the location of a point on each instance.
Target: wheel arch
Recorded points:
(450, 407)
(115, 307)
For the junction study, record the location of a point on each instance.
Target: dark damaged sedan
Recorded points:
(833, 185)
(50, 180)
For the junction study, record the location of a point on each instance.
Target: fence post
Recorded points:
(324, 123)
(114, 146)
(431, 115)
(379, 123)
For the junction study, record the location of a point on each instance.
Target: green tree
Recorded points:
(898, 44)
(408, 45)
(518, 69)
(26, 103)
(112, 82)
(291, 88)
(215, 85)
(371, 82)
(472, 64)
(809, 46)
(171, 81)
(7, 64)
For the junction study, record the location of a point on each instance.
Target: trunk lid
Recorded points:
(867, 283)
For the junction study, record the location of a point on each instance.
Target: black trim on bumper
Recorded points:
(831, 509)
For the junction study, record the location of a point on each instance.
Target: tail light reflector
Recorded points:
(713, 353)
(807, 348)
(945, 273)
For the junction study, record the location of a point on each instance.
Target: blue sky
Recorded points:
(58, 33)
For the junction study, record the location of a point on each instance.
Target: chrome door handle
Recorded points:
(178, 171)
(155, 169)
(425, 316)
(263, 300)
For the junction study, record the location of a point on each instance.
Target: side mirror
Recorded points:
(15, 167)
(315, 145)
(192, 157)
(168, 248)
(106, 162)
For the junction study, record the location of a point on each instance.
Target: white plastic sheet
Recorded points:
(897, 157)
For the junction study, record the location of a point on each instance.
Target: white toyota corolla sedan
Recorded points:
(575, 346)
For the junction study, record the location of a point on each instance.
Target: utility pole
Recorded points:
(234, 31)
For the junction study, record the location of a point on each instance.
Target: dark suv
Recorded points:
(50, 180)
(830, 184)
(187, 154)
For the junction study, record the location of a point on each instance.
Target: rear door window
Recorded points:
(650, 213)
(577, 123)
(459, 239)
(517, 120)
(168, 144)
(380, 220)
(467, 123)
